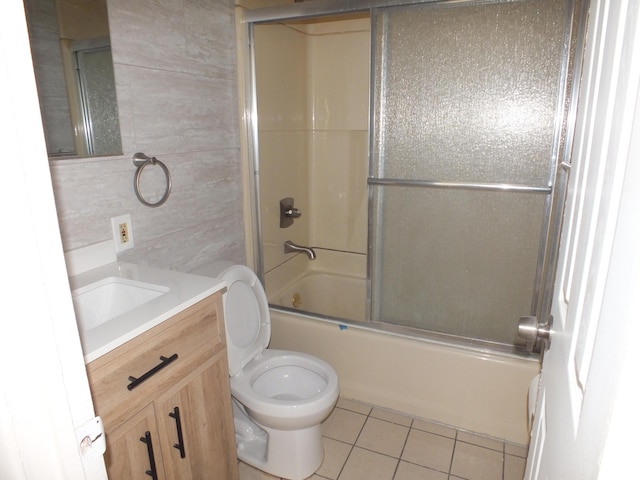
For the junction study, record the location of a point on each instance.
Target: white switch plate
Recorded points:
(122, 232)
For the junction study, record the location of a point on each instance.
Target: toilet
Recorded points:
(279, 397)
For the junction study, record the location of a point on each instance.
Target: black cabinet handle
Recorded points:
(152, 459)
(180, 445)
(164, 361)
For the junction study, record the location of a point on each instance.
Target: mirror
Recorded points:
(71, 52)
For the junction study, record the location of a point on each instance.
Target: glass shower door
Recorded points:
(468, 112)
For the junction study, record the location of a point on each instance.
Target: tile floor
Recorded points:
(363, 442)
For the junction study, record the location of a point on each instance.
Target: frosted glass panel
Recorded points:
(461, 262)
(99, 97)
(470, 92)
(464, 94)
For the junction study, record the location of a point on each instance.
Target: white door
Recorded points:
(595, 306)
(44, 393)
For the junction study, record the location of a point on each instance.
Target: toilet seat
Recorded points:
(246, 303)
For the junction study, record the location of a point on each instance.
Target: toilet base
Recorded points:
(291, 454)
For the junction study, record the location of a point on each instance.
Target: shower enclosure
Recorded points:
(425, 145)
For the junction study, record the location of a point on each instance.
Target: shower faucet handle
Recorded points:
(292, 213)
(288, 212)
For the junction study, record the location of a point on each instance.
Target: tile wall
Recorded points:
(313, 96)
(175, 68)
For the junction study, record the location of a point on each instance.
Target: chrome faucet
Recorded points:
(290, 247)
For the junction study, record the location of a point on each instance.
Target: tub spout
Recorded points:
(290, 247)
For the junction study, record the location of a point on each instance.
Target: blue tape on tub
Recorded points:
(343, 327)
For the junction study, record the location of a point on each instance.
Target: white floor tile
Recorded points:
(476, 463)
(516, 450)
(383, 437)
(363, 464)
(428, 450)
(343, 425)
(249, 473)
(335, 456)
(409, 471)
(514, 467)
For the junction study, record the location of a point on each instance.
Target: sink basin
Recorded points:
(117, 301)
(110, 297)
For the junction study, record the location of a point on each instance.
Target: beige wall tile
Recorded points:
(338, 196)
(281, 78)
(339, 66)
(312, 117)
(284, 173)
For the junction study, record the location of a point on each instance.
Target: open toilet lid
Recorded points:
(246, 312)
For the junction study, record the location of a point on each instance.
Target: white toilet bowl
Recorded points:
(280, 397)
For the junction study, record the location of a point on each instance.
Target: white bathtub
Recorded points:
(331, 294)
(472, 390)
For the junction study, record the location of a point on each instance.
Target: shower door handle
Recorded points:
(530, 330)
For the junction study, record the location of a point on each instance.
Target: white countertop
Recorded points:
(184, 290)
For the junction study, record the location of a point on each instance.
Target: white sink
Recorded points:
(110, 297)
(118, 301)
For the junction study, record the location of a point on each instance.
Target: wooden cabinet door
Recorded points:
(184, 423)
(127, 456)
(206, 423)
(193, 336)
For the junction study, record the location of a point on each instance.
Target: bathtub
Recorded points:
(469, 389)
(327, 294)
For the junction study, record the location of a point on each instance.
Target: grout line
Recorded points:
(480, 446)
(353, 445)
(362, 428)
(504, 457)
(453, 453)
(404, 445)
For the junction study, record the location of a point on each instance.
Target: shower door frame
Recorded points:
(559, 164)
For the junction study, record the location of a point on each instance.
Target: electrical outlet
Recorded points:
(122, 232)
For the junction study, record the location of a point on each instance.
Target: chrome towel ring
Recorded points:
(140, 160)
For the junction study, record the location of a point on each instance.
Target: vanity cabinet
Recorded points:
(165, 402)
